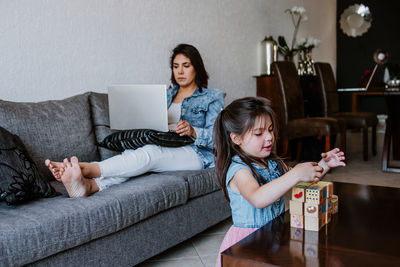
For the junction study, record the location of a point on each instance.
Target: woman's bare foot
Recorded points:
(89, 170)
(56, 168)
(74, 182)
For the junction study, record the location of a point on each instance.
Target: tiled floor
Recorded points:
(202, 249)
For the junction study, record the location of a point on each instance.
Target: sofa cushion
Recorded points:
(52, 129)
(19, 178)
(47, 226)
(101, 122)
(199, 182)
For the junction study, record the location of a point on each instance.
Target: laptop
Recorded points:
(138, 106)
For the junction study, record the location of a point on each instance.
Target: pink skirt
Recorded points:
(234, 235)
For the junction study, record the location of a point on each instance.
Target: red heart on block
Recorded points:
(298, 195)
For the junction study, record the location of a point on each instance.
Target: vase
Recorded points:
(270, 53)
(306, 63)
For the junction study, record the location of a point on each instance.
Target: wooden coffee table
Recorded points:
(365, 232)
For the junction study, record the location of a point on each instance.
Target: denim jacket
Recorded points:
(201, 110)
(244, 214)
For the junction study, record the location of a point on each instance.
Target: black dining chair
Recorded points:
(330, 100)
(289, 103)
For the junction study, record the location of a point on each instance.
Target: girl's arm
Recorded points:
(332, 159)
(263, 196)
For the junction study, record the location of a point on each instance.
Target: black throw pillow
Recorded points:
(19, 178)
(133, 139)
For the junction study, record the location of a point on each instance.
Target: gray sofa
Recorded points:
(120, 226)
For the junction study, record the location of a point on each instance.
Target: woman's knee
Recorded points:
(143, 155)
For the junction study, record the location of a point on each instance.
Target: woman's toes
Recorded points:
(74, 160)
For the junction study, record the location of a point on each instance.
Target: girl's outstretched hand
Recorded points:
(334, 158)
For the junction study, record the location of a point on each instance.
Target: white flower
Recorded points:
(297, 15)
(309, 42)
(315, 42)
(298, 10)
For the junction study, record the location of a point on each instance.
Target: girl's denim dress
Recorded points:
(244, 214)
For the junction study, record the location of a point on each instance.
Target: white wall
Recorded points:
(55, 49)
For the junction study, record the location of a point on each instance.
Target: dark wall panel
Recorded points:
(354, 55)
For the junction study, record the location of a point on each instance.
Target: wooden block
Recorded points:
(329, 186)
(323, 218)
(304, 184)
(299, 191)
(296, 221)
(296, 207)
(311, 237)
(296, 234)
(328, 212)
(313, 209)
(329, 204)
(324, 189)
(335, 204)
(316, 210)
(313, 223)
(315, 194)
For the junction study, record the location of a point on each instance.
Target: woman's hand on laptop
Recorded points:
(184, 128)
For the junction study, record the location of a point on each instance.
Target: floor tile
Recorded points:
(207, 244)
(182, 251)
(220, 228)
(209, 260)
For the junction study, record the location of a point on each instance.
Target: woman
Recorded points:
(192, 107)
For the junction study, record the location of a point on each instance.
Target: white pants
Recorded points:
(120, 168)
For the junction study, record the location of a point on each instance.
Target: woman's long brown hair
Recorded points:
(193, 54)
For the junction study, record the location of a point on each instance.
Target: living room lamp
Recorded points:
(380, 58)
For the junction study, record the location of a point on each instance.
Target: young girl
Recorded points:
(253, 178)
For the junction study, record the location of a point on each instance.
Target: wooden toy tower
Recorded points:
(312, 205)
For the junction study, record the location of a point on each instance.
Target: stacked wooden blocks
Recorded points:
(312, 205)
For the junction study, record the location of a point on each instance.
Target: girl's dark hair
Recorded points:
(197, 62)
(239, 118)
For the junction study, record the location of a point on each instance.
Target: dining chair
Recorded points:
(288, 103)
(353, 120)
